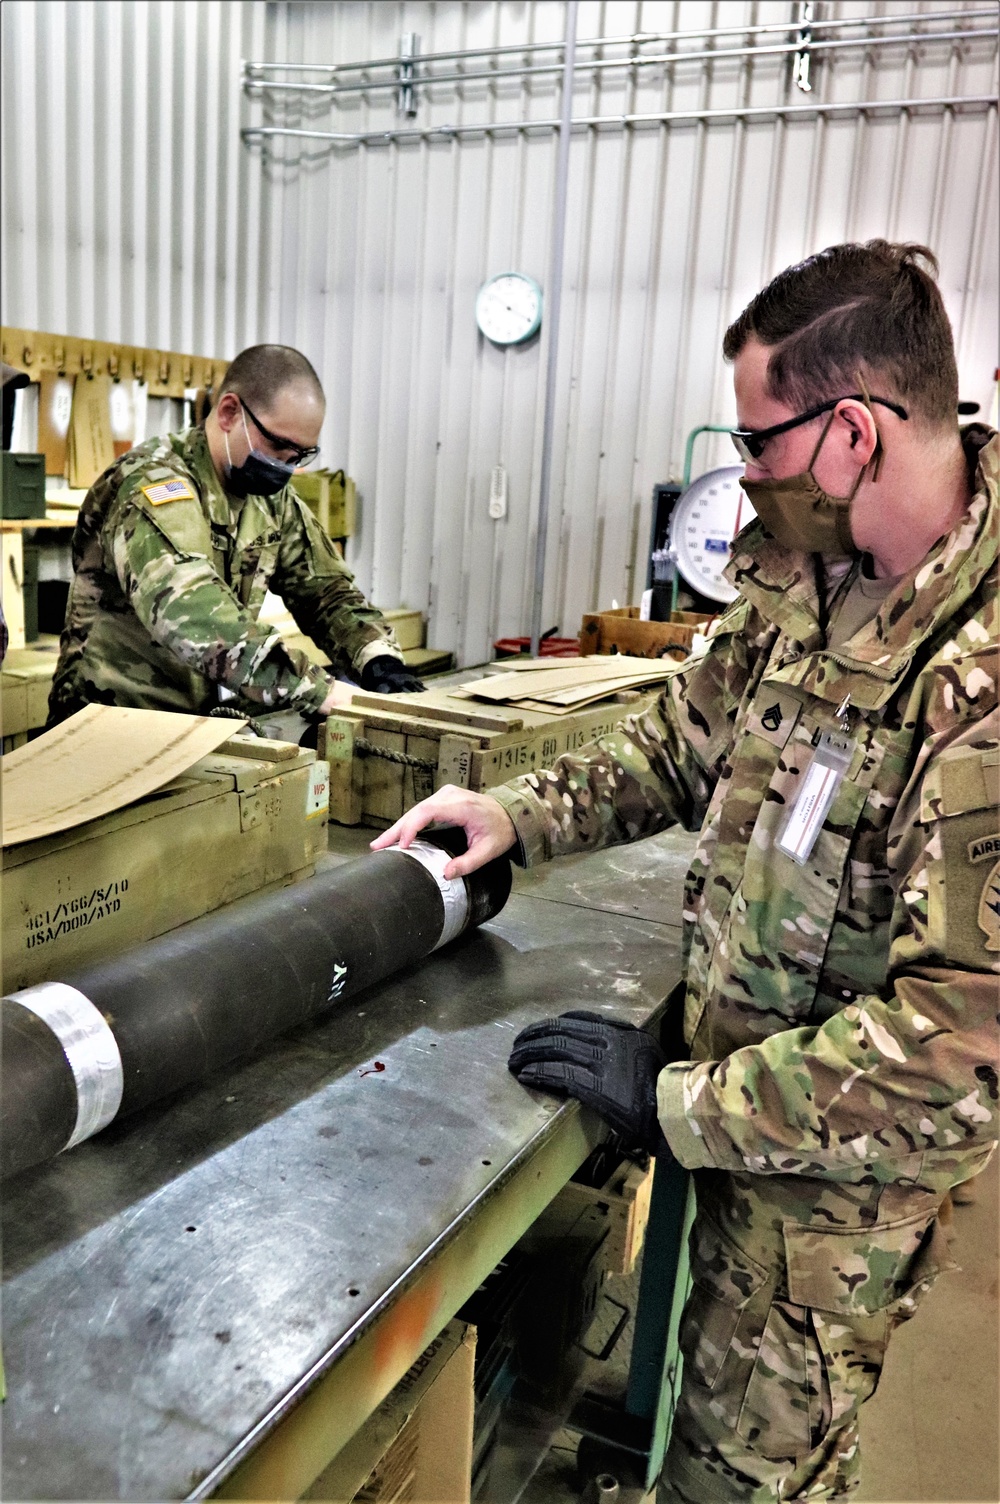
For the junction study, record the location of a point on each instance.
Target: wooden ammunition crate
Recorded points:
(461, 742)
(624, 1199)
(249, 817)
(620, 630)
(25, 682)
(332, 497)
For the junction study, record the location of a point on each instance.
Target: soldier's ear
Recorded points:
(227, 411)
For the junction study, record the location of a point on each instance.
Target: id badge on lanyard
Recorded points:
(823, 777)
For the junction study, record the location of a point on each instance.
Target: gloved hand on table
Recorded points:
(386, 675)
(610, 1066)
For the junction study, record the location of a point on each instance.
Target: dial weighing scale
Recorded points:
(704, 521)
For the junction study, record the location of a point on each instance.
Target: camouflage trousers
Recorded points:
(797, 1285)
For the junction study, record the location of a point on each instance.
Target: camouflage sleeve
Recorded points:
(657, 770)
(890, 1082)
(319, 590)
(176, 593)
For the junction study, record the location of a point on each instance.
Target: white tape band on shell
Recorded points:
(454, 893)
(89, 1046)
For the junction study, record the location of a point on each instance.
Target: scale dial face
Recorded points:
(703, 525)
(509, 308)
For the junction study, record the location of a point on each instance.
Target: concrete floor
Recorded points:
(930, 1433)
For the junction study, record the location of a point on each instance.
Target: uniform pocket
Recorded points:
(821, 1350)
(854, 1270)
(724, 1281)
(786, 1409)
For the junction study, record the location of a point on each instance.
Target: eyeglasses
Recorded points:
(750, 441)
(301, 455)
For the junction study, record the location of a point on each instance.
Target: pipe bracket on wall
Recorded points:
(803, 58)
(406, 93)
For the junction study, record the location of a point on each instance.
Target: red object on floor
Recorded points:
(549, 647)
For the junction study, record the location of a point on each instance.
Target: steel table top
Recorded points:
(174, 1287)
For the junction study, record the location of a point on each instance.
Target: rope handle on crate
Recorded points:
(362, 746)
(366, 748)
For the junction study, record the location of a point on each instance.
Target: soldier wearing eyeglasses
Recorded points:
(178, 542)
(833, 1073)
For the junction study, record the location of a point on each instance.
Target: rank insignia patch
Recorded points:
(168, 490)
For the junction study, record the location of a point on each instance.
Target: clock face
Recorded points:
(706, 519)
(509, 308)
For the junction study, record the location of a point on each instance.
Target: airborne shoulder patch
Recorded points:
(988, 917)
(987, 846)
(168, 490)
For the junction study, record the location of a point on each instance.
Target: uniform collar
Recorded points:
(781, 585)
(194, 446)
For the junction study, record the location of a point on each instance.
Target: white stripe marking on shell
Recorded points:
(90, 1048)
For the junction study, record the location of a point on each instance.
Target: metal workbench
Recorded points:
(212, 1295)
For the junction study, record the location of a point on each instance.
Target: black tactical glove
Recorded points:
(610, 1066)
(387, 676)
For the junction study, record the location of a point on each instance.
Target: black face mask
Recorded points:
(259, 474)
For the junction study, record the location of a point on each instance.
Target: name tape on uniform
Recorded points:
(168, 490)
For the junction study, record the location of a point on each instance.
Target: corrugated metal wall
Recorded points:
(133, 211)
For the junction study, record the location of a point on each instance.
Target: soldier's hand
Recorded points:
(489, 830)
(386, 675)
(608, 1065)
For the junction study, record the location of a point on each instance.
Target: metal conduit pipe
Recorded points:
(782, 49)
(76, 1054)
(554, 298)
(667, 117)
(636, 39)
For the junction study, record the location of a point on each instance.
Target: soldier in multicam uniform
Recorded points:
(177, 544)
(840, 1013)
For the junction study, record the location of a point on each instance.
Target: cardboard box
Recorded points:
(417, 1446)
(247, 818)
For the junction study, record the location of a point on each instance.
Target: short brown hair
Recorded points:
(875, 309)
(261, 371)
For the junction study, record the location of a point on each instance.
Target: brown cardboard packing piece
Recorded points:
(418, 1443)
(55, 402)
(102, 758)
(90, 448)
(578, 684)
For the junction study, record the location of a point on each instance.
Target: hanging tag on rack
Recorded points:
(822, 779)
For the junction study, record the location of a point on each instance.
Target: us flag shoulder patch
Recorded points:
(168, 490)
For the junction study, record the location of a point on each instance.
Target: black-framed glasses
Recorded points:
(750, 441)
(301, 455)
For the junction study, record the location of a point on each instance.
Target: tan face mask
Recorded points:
(800, 515)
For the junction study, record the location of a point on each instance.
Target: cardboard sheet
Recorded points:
(99, 760)
(574, 685)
